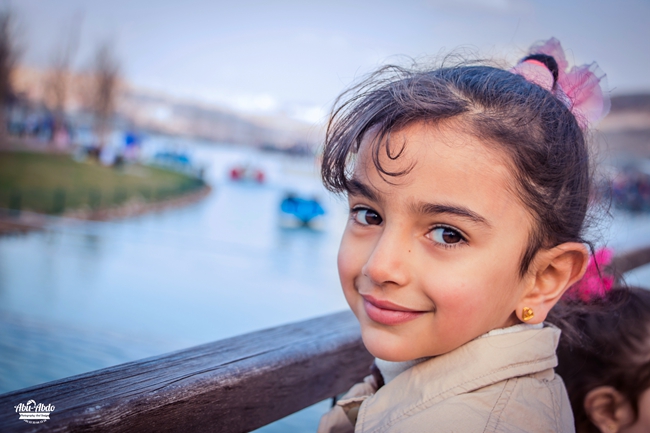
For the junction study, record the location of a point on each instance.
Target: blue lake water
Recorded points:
(82, 296)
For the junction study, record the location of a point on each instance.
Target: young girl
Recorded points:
(468, 188)
(607, 371)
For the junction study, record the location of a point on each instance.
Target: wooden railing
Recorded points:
(233, 385)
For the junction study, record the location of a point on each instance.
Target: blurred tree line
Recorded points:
(98, 84)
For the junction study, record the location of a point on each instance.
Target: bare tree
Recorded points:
(105, 82)
(58, 79)
(8, 58)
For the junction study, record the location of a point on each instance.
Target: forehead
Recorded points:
(443, 164)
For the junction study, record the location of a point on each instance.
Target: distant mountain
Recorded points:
(194, 119)
(160, 113)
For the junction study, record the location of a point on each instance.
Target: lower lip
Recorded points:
(389, 317)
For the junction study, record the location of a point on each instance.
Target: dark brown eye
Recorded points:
(368, 217)
(446, 235)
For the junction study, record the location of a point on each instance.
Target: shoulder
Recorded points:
(497, 383)
(537, 403)
(342, 417)
(533, 403)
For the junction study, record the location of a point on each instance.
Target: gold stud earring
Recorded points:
(527, 314)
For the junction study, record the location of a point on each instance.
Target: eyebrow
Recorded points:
(437, 209)
(358, 188)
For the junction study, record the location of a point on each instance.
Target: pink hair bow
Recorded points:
(596, 282)
(581, 88)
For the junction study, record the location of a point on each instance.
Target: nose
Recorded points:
(388, 264)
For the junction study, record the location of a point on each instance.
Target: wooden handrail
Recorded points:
(233, 385)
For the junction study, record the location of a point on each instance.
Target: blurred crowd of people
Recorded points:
(630, 190)
(38, 123)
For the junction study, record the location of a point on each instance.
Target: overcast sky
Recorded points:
(264, 56)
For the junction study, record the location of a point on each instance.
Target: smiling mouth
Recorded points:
(387, 313)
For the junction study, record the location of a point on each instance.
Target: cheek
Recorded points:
(459, 302)
(349, 261)
(476, 293)
(344, 257)
(497, 268)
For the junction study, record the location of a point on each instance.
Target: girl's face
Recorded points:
(431, 260)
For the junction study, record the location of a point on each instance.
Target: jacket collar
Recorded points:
(476, 364)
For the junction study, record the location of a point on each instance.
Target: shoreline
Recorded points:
(29, 221)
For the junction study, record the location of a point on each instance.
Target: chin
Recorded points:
(388, 347)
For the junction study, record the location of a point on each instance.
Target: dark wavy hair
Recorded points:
(613, 350)
(545, 145)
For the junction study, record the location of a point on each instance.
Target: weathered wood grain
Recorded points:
(233, 385)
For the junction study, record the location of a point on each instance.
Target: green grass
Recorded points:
(53, 184)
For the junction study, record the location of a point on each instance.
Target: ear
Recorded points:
(551, 273)
(608, 409)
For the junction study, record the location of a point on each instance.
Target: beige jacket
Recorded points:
(495, 383)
